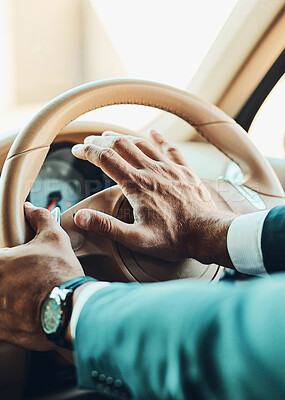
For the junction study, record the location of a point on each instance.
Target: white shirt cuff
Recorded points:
(244, 243)
(84, 295)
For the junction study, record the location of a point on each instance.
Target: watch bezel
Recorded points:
(59, 296)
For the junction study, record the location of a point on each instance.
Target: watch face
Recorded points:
(50, 316)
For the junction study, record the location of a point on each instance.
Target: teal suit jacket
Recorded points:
(273, 240)
(186, 339)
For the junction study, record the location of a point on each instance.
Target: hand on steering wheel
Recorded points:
(28, 274)
(174, 214)
(109, 259)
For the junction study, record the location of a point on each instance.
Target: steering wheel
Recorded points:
(261, 187)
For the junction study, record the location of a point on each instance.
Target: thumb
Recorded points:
(39, 218)
(105, 225)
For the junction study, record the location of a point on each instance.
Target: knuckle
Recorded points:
(55, 235)
(89, 151)
(52, 236)
(130, 184)
(146, 183)
(105, 226)
(42, 213)
(105, 154)
(120, 142)
(171, 149)
(141, 142)
(156, 167)
(188, 172)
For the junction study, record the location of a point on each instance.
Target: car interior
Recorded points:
(209, 77)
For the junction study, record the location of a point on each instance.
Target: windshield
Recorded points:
(50, 46)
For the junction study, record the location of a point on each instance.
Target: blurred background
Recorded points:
(50, 46)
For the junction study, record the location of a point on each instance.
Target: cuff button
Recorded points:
(109, 380)
(118, 383)
(102, 377)
(94, 374)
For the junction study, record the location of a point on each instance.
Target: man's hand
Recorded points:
(174, 215)
(28, 274)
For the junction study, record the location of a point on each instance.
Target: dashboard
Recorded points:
(65, 180)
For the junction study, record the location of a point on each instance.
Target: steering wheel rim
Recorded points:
(32, 144)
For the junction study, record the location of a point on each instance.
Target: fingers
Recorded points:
(120, 156)
(122, 145)
(135, 150)
(168, 149)
(47, 229)
(106, 225)
(42, 222)
(144, 145)
(107, 159)
(39, 218)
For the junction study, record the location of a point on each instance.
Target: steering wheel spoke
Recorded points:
(88, 243)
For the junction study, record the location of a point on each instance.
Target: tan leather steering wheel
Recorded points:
(31, 146)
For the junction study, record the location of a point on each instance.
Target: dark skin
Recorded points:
(174, 217)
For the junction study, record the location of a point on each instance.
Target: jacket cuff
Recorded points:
(83, 297)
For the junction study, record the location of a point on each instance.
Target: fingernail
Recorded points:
(157, 136)
(29, 204)
(89, 139)
(82, 219)
(155, 133)
(108, 133)
(78, 148)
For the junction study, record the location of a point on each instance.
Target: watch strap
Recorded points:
(72, 284)
(59, 337)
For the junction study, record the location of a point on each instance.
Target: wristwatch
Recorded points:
(56, 310)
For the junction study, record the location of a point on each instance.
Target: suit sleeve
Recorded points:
(184, 340)
(273, 240)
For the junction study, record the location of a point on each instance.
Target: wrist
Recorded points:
(210, 243)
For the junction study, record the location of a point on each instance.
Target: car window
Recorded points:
(50, 46)
(267, 130)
